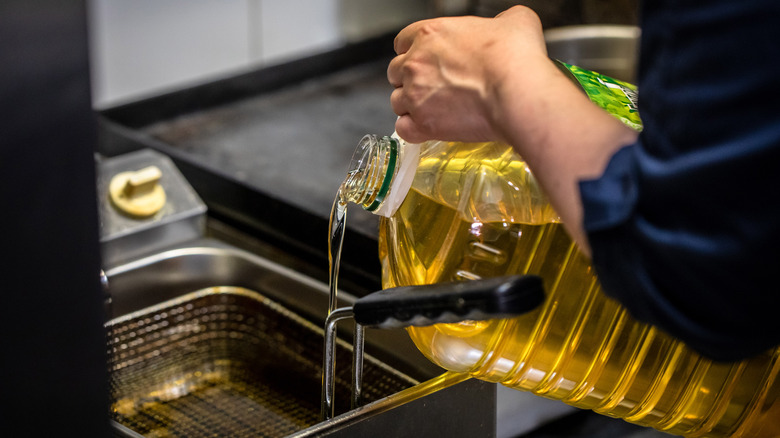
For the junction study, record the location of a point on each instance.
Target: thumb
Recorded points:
(409, 131)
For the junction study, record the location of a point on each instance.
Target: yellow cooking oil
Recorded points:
(475, 211)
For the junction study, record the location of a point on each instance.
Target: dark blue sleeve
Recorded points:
(684, 225)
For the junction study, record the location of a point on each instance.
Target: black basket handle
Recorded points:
(490, 298)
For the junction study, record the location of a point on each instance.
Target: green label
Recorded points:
(617, 97)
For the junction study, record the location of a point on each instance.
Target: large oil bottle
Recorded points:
(469, 211)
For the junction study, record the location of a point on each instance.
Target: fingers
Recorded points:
(406, 126)
(395, 71)
(515, 10)
(401, 44)
(397, 102)
(408, 130)
(403, 41)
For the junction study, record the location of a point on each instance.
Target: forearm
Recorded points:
(564, 137)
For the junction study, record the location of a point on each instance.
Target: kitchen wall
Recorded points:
(145, 47)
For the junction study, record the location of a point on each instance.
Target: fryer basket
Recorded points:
(227, 361)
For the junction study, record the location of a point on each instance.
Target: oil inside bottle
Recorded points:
(580, 346)
(475, 211)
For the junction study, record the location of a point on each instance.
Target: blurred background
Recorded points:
(145, 47)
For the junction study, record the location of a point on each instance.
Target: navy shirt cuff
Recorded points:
(610, 199)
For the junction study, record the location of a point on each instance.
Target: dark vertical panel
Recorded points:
(52, 368)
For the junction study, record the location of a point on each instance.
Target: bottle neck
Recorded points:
(371, 172)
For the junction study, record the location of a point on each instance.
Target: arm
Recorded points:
(682, 224)
(481, 79)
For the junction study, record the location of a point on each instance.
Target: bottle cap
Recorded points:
(409, 156)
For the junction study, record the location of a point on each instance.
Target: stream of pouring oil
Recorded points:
(337, 223)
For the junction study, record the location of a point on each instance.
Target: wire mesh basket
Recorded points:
(226, 361)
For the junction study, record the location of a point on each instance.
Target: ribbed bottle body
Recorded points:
(474, 210)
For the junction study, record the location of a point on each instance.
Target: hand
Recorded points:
(481, 79)
(450, 74)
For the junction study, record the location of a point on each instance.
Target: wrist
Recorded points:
(527, 99)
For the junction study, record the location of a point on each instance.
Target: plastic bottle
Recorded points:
(457, 211)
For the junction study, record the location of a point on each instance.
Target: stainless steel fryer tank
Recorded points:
(210, 341)
(226, 360)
